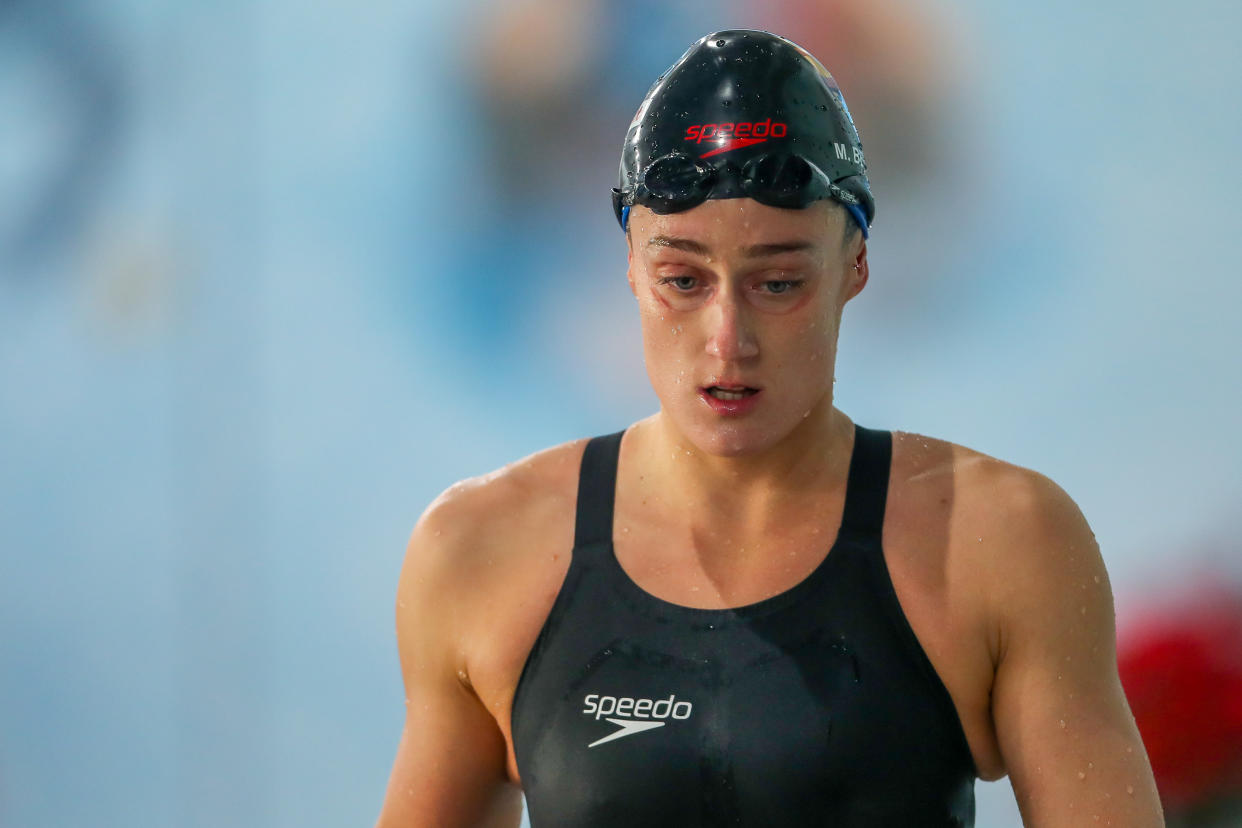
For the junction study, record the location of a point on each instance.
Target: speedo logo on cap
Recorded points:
(634, 715)
(726, 137)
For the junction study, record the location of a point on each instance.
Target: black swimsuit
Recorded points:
(815, 707)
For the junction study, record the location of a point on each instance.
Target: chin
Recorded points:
(724, 436)
(732, 439)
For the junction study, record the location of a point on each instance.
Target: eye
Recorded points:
(681, 283)
(777, 287)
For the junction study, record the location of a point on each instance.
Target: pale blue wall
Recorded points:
(239, 353)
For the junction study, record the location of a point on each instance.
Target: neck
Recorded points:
(751, 488)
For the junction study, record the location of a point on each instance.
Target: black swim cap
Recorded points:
(743, 113)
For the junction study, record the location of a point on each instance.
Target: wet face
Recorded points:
(740, 306)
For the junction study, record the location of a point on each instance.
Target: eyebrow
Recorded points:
(754, 251)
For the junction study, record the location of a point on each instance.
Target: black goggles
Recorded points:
(676, 182)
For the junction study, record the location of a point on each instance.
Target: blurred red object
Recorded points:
(1182, 672)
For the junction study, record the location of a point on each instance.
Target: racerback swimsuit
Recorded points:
(814, 707)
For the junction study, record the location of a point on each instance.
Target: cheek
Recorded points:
(808, 347)
(664, 334)
(661, 322)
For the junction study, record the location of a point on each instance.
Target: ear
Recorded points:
(857, 271)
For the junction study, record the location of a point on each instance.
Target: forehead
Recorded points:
(722, 224)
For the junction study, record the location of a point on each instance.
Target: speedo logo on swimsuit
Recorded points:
(634, 715)
(728, 137)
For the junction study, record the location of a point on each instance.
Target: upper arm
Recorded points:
(450, 764)
(1064, 727)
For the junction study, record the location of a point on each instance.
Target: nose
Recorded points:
(730, 337)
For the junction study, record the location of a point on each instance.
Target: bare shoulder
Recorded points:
(986, 493)
(517, 492)
(1023, 538)
(487, 522)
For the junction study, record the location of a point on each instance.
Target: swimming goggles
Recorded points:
(676, 182)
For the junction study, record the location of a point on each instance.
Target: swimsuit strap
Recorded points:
(597, 485)
(867, 488)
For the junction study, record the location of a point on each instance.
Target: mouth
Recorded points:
(729, 400)
(730, 392)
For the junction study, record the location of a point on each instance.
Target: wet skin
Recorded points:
(995, 568)
(736, 293)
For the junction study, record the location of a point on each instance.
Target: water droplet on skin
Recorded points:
(1130, 790)
(1082, 775)
(461, 675)
(1063, 724)
(1097, 578)
(1090, 765)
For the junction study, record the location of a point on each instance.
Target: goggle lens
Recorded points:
(782, 181)
(675, 182)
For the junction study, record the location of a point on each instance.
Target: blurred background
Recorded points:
(274, 274)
